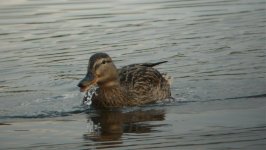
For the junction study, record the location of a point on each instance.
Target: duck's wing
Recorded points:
(127, 73)
(144, 83)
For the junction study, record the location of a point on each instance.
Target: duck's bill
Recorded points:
(86, 83)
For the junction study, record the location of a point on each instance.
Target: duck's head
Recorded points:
(101, 72)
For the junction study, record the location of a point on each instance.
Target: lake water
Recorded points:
(216, 53)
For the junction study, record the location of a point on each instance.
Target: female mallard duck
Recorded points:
(131, 85)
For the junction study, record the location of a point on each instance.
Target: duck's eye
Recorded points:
(104, 62)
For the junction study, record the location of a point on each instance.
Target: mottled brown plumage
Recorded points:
(131, 85)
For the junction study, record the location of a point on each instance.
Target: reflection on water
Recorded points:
(111, 125)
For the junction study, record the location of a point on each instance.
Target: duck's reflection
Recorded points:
(110, 125)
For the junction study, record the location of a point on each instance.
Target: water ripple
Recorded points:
(215, 52)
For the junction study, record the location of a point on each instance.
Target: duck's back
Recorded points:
(144, 84)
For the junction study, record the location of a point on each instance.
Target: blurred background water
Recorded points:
(216, 53)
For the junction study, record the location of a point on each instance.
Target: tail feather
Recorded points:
(153, 64)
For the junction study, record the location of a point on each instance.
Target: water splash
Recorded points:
(89, 94)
